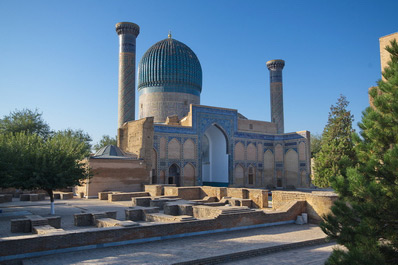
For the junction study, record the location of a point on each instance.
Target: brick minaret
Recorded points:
(275, 69)
(128, 33)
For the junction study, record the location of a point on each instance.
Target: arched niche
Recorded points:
(214, 157)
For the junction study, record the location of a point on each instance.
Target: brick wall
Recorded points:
(93, 236)
(318, 203)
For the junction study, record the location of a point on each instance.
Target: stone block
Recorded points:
(33, 197)
(54, 221)
(104, 195)
(21, 225)
(299, 220)
(24, 197)
(109, 222)
(66, 195)
(259, 198)
(141, 201)
(170, 191)
(5, 198)
(96, 216)
(189, 193)
(170, 209)
(240, 193)
(42, 196)
(46, 229)
(126, 196)
(111, 214)
(133, 214)
(246, 202)
(159, 203)
(36, 220)
(154, 190)
(83, 219)
(185, 209)
(149, 210)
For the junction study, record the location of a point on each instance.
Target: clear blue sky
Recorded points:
(61, 57)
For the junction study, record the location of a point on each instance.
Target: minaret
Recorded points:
(275, 69)
(128, 33)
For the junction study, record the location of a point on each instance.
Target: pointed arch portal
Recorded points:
(214, 158)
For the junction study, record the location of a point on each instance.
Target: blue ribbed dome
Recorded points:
(170, 64)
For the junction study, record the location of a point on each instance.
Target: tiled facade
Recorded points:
(254, 159)
(185, 143)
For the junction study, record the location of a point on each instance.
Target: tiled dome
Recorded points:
(170, 64)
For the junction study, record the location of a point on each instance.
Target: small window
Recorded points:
(185, 102)
(251, 126)
(142, 106)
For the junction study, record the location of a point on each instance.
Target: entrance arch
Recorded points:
(214, 157)
(174, 175)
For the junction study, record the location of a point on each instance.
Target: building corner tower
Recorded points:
(128, 33)
(275, 69)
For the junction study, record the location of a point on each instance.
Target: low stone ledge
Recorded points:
(21, 225)
(139, 213)
(5, 198)
(89, 218)
(109, 222)
(104, 195)
(125, 196)
(161, 217)
(141, 201)
(59, 195)
(160, 202)
(36, 220)
(46, 229)
(54, 221)
(32, 197)
(27, 224)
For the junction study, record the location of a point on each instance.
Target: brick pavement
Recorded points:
(197, 247)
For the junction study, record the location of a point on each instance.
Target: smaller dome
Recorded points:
(109, 151)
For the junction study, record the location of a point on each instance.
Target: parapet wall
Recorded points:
(259, 197)
(318, 202)
(95, 236)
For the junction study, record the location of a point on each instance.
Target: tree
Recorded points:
(106, 140)
(29, 161)
(337, 151)
(25, 120)
(315, 144)
(365, 218)
(79, 135)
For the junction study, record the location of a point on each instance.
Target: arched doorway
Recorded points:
(214, 158)
(174, 175)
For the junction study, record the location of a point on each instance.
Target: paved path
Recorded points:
(197, 247)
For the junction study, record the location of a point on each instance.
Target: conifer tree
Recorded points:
(336, 151)
(365, 218)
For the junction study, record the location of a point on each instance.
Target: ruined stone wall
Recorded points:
(318, 202)
(94, 236)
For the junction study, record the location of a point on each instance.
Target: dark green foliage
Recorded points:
(79, 135)
(33, 157)
(106, 140)
(28, 161)
(336, 148)
(365, 218)
(315, 144)
(26, 121)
